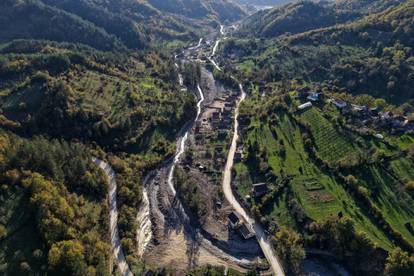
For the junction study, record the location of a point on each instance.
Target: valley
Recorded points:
(206, 137)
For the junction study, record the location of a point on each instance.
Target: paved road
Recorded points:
(113, 219)
(261, 236)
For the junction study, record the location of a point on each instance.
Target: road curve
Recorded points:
(113, 219)
(261, 236)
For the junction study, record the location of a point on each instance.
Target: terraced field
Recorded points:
(318, 192)
(330, 144)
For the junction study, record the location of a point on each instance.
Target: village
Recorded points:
(213, 129)
(205, 161)
(361, 117)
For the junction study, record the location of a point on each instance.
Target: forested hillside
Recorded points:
(113, 25)
(100, 99)
(350, 56)
(302, 16)
(53, 209)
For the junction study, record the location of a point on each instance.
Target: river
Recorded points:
(181, 147)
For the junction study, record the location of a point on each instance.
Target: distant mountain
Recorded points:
(307, 15)
(107, 25)
(263, 2)
(221, 9)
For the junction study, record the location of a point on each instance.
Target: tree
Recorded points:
(67, 258)
(289, 247)
(411, 153)
(399, 263)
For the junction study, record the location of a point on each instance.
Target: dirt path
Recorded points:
(113, 219)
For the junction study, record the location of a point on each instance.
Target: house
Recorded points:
(227, 111)
(358, 108)
(234, 220)
(245, 232)
(259, 189)
(374, 110)
(305, 106)
(315, 97)
(303, 92)
(385, 115)
(238, 156)
(339, 104)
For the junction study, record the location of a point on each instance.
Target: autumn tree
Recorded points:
(290, 249)
(399, 263)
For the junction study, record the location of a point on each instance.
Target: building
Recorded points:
(359, 108)
(303, 92)
(234, 220)
(339, 104)
(245, 232)
(305, 106)
(374, 110)
(315, 97)
(259, 189)
(238, 157)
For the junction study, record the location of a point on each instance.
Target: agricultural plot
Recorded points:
(279, 213)
(101, 92)
(330, 144)
(387, 193)
(319, 194)
(403, 169)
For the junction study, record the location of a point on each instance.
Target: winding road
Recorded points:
(256, 227)
(113, 219)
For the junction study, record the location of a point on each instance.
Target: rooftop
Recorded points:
(245, 231)
(234, 218)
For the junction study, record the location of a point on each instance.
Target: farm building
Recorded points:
(305, 106)
(315, 97)
(259, 189)
(339, 104)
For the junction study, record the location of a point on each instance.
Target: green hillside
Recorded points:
(318, 170)
(109, 99)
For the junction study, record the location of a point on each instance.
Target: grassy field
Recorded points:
(397, 208)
